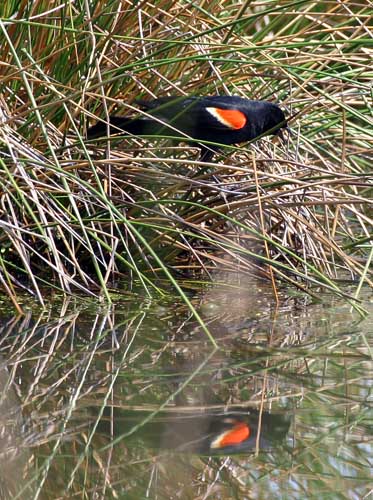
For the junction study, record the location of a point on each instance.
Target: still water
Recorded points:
(133, 401)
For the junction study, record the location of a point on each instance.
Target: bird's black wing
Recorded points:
(198, 113)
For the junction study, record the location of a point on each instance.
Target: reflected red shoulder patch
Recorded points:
(239, 433)
(232, 118)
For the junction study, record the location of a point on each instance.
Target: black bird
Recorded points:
(218, 119)
(207, 431)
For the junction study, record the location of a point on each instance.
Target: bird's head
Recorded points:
(275, 121)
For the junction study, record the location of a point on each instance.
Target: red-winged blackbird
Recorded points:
(218, 119)
(205, 431)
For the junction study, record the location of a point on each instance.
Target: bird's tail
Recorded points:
(121, 125)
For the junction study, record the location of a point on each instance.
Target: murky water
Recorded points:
(134, 402)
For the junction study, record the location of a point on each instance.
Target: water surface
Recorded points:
(133, 401)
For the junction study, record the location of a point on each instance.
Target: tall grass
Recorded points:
(77, 216)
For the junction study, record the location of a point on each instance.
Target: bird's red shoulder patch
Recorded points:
(239, 433)
(232, 118)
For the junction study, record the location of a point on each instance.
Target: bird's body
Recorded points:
(218, 119)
